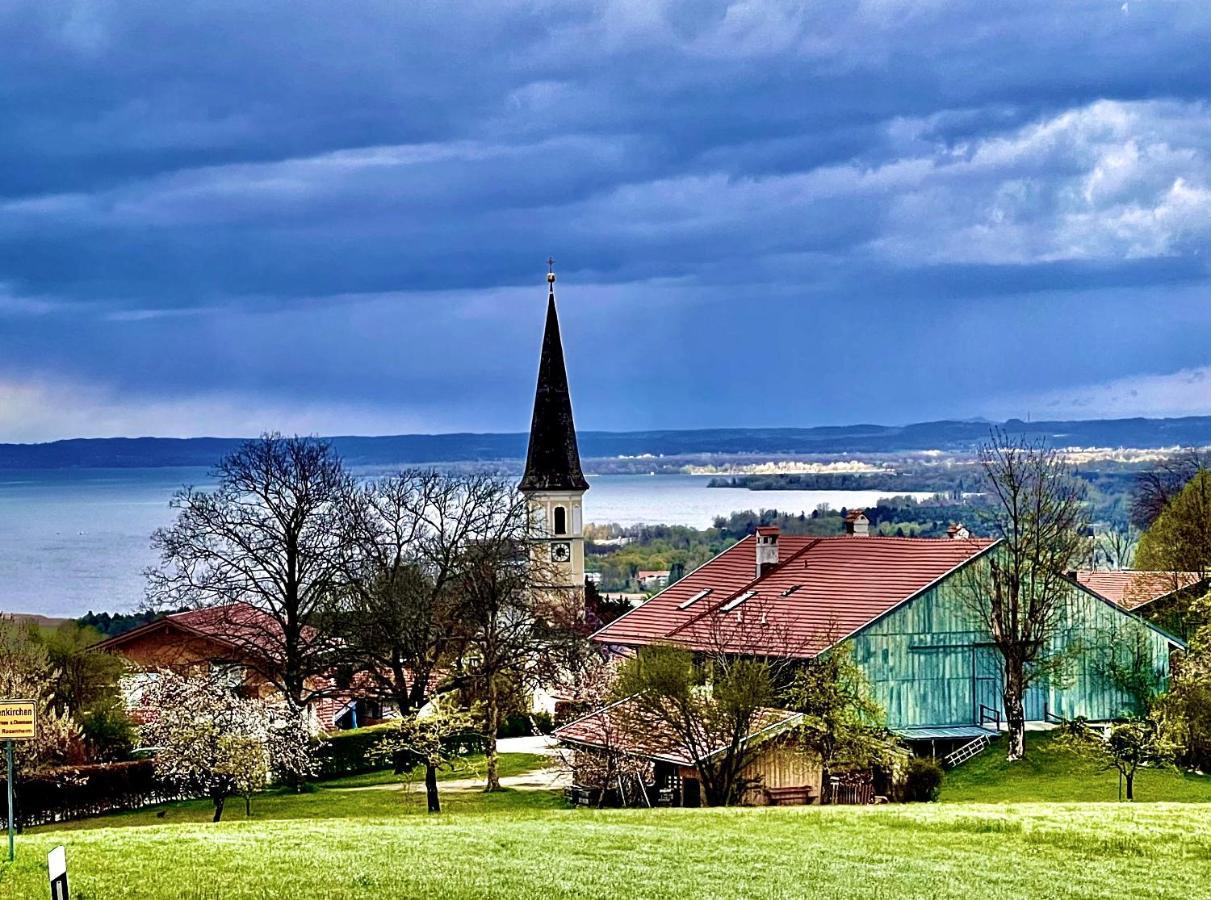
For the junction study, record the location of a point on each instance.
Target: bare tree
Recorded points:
(409, 538)
(1019, 591)
(1114, 549)
(514, 628)
(1157, 486)
(264, 551)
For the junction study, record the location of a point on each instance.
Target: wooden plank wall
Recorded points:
(781, 764)
(930, 664)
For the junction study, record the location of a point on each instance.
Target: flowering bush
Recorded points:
(209, 740)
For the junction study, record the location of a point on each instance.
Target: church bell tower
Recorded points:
(553, 481)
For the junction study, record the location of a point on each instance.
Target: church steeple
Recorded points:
(553, 458)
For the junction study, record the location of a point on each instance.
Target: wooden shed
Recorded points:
(650, 765)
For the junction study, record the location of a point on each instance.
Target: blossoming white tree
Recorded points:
(212, 741)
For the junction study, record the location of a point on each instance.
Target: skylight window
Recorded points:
(686, 604)
(736, 601)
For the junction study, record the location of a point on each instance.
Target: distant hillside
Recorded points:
(427, 448)
(38, 619)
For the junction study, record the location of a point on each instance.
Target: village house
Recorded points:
(651, 580)
(234, 644)
(1160, 597)
(897, 602)
(1136, 589)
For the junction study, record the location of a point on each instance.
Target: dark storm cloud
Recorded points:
(214, 215)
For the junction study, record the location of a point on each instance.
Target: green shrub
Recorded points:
(523, 724)
(352, 752)
(358, 750)
(108, 732)
(922, 780)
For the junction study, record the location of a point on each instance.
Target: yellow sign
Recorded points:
(17, 720)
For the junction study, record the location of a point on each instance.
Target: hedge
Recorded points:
(74, 792)
(353, 752)
(523, 725)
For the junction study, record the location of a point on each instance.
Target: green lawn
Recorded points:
(1050, 774)
(361, 838)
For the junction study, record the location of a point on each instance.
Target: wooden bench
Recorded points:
(789, 796)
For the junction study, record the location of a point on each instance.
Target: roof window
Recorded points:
(686, 604)
(736, 601)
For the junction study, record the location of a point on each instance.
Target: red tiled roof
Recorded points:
(821, 591)
(624, 728)
(237, 625)
(1131, 589)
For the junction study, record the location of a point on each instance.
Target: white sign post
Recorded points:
(56, 864)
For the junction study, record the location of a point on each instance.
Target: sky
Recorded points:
(226, 218)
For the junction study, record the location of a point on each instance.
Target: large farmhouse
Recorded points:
(900, 603)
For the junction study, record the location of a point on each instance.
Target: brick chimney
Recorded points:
(767, 549)
(856, 523)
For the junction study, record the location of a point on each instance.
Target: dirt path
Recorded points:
(546, 779)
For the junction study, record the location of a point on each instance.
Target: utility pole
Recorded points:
(8, 783)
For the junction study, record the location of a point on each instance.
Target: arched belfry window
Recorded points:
(561, 520)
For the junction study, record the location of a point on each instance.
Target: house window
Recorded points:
(228, 675)
(561, 520)
(136, 685)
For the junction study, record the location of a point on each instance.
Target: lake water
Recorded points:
(78, 539)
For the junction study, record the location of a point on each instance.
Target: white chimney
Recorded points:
(767, 549)
(856, 523)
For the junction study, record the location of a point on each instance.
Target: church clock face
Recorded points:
(561, 551)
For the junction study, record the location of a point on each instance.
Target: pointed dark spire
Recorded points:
(553, 460)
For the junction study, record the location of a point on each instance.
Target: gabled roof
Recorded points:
(821, 591)
(238, 626)
(622, 727)
(553, 459)
(1132, 588)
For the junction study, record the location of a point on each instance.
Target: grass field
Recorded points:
(370, 837)
(1049, 773)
